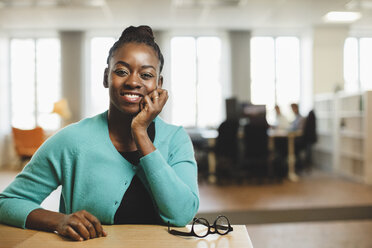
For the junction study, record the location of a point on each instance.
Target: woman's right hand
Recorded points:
(80, 226)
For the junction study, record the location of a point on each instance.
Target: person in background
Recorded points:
(298, 122)
(123, 166)
(281, 121)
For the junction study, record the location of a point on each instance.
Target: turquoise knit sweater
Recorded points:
(94, 176)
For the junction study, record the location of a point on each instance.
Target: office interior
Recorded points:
(224, 59)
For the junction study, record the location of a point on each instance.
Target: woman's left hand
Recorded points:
(151, 106)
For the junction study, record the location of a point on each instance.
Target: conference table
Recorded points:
(123, 236)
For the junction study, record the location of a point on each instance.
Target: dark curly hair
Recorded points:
(141, 34)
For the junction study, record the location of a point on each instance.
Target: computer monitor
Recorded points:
(233, 108)
(255, 113)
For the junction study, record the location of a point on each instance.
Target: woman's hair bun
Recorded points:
(137, 32)
(141, 34)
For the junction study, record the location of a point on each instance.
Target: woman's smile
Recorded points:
(131, 97)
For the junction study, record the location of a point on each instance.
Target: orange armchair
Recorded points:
(26, 142)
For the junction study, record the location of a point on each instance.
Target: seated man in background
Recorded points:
(298, 123)
(281, 121)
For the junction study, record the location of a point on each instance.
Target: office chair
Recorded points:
(227, 150)
(255, 159)
(305, 142)
(26, 142)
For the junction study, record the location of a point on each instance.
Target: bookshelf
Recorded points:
(349, 141)
(354, 136)
(324, 149)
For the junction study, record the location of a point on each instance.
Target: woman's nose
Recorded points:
(133, 81)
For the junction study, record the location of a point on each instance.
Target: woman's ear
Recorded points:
(160, 82)
(105, 78)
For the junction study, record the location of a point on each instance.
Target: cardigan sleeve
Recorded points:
(25, 194)
(173, 180)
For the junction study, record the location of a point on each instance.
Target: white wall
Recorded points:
(328, 58)
(240, 65)
(72, 71)
(307, 87)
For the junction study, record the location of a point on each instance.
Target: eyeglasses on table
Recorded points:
(201, 228)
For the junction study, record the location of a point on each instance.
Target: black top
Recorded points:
(137, 206)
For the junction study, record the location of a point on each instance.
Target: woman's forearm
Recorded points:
(44, 220)
(79, 226)
(143, 142)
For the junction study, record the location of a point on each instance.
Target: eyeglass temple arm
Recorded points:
(175, 232)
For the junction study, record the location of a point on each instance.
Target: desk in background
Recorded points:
(290, 135)
(125, 236)
(210, 135)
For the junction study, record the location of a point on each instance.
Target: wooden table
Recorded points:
(125, 236)
(290, 136)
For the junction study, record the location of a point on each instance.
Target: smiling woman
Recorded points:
(123, 166)
(135, 64)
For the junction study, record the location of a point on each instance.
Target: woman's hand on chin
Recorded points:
(151, 105)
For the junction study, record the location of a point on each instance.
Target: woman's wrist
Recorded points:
(143, 141)
(138, 130)
(45, 220)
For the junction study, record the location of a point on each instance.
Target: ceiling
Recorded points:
(173, 14)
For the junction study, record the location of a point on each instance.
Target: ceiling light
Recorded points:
(339, 16)
(210, 3)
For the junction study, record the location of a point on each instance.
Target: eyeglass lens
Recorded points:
(201, 227)
(222, 225)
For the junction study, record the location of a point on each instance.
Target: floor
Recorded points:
(315, 193)
(312, 190)
(335, 234)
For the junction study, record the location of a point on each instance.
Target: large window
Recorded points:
(35, 82)
(196, 87)
(275, 72)
(98, 97)
(357, 64)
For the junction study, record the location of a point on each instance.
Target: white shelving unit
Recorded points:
(349, 141)
(324, 150)
(354, 136)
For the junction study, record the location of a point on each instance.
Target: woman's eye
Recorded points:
(121, 72)
(147, 75)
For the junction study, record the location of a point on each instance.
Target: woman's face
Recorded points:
(133, 72)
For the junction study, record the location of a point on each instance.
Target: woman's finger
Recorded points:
(90, 227)
(163, 97)
(96, 223)
(72, 234)
(152, 95)
(155, 96)
(148, 103)
(80, 228)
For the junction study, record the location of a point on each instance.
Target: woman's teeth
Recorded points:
(131, 96)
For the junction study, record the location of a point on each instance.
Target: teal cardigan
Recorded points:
(94, 176)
